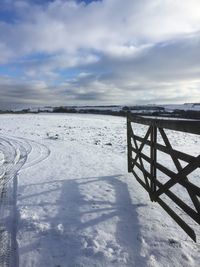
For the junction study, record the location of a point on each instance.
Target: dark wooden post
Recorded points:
(129, 146)
(153, 160)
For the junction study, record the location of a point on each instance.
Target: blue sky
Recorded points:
(67, 52)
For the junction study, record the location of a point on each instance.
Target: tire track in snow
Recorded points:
(14, 157)
(39, 152)
(15, 154)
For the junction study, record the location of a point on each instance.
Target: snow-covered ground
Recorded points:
(186, 106)
(69, 201)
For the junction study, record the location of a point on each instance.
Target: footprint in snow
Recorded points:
(174, 243)
(108, 144)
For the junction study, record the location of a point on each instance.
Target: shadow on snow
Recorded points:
(68, 239)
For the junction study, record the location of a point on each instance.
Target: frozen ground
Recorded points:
(69, 201)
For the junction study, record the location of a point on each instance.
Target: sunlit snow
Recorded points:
(70, 201)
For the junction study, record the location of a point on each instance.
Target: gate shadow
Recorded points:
(67, 237)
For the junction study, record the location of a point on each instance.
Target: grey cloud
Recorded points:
(88, 96)
(23, 94)
(174, 61)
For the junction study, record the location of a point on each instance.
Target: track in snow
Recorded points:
(15, 154)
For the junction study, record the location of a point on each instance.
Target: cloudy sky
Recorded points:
(67, 52)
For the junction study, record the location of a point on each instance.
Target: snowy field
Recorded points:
(69, 201)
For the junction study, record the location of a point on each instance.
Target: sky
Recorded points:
(108, 52)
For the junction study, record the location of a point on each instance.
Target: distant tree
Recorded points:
(125, 108)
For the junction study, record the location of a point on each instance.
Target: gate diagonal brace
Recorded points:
(179, 178)
(138, 156)
(179, 168)
(150, 181)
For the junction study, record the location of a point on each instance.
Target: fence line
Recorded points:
(150, 179)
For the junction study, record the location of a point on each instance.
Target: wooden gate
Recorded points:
(150, 179)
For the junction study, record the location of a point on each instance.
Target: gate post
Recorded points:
(129, 146)
(153, 160)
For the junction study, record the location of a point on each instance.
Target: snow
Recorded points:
(186, 106)
(70, 201)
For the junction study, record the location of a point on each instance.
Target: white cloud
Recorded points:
(128, 45)
(109, 25)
